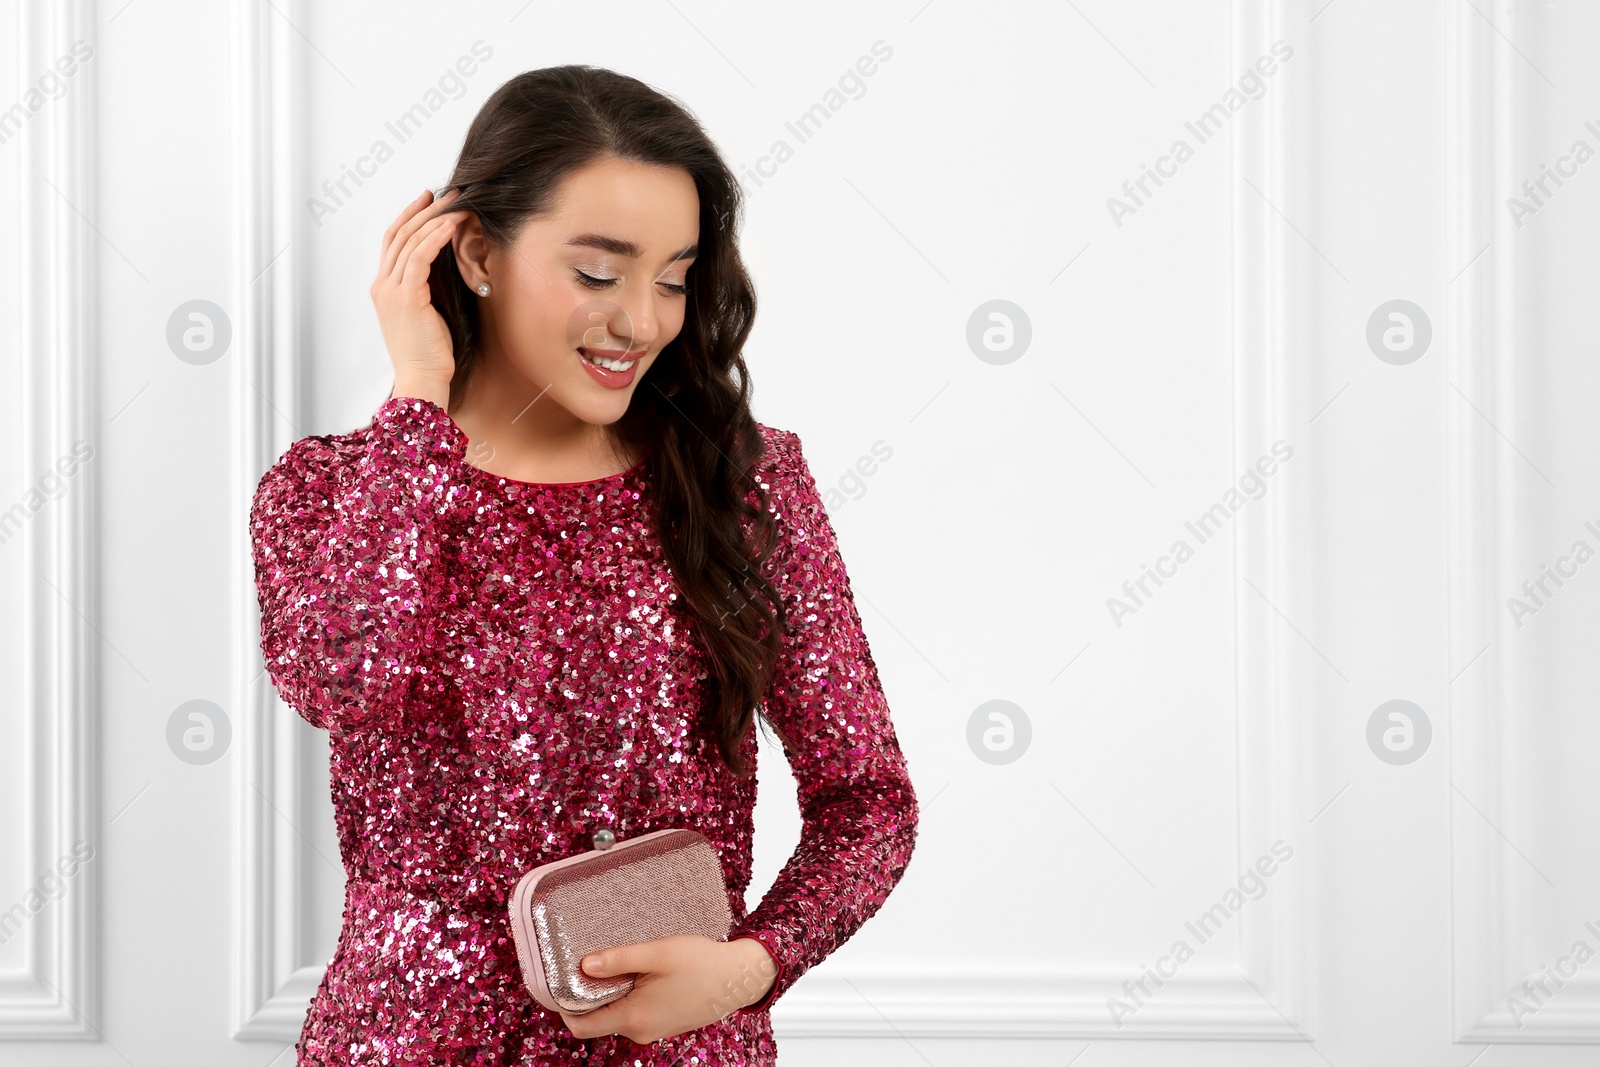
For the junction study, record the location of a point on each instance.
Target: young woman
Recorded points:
(543, 592)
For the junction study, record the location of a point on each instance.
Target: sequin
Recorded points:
(503, 668)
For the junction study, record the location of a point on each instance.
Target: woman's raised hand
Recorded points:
(415, 334)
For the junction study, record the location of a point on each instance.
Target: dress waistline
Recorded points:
(430, 898)
(482, 903)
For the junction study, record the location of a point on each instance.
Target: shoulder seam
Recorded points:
(308, 457)
(777, 438)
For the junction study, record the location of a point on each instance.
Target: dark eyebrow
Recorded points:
(623, 247)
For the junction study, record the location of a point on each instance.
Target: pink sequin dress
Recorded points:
(505, 667)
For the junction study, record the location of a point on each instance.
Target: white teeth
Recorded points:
(608, 364)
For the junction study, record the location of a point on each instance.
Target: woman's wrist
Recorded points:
(423, 389)
(755, 971)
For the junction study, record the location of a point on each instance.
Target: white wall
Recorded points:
(1171, 742)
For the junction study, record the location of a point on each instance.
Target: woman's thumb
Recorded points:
(618, 959)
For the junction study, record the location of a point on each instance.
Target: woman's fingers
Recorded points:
(414, 217)
(420, 228)
(388, 251)
(419, 262)
(388, 235)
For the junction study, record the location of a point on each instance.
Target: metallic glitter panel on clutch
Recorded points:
(659, 884)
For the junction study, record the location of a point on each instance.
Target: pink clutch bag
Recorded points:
(657, 884)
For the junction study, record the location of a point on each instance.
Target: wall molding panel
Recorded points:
(272, 988)
(54, 997)
(1487, 904)
(1270, 287)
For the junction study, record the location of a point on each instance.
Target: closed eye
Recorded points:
(591, 282)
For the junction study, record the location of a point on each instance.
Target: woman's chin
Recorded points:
(597, 405)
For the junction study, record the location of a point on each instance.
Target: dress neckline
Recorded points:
(508, 481)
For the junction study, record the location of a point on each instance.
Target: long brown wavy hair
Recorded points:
(691, 419)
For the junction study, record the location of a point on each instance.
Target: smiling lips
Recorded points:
(618, 356)
(611, 372)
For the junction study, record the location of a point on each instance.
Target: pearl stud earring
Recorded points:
(483, 288)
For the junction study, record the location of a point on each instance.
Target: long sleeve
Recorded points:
(858, 810)
(346, 546)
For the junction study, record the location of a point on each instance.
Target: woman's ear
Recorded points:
(472, 250)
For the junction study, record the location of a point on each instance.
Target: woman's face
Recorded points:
(602, 273)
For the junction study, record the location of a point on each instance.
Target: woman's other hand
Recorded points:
(681, 983)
